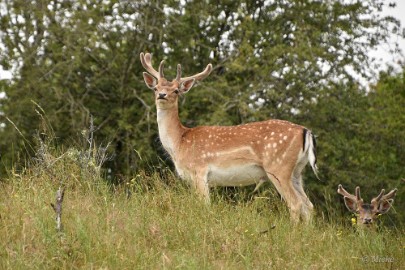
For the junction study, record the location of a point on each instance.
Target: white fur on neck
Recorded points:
(166, 139)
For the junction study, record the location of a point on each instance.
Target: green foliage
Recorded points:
(83, 61)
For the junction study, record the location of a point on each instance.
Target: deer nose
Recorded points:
(162, 95)
(367, 221)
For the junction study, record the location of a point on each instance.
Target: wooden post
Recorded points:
(58, 208)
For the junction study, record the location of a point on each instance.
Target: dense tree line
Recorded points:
(287, 59)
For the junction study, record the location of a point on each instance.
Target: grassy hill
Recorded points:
(154, 221)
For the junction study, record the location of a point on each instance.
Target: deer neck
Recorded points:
(170, 129)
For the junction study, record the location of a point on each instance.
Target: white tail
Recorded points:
(248, 154)
(310, 149)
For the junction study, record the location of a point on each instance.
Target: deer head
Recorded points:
(367, 213)
(166, 92)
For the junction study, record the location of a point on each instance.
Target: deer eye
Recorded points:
(176, 91)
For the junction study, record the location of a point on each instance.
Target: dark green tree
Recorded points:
(80, 58)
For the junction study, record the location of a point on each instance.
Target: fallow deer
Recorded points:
(241, 155)
(367, 213)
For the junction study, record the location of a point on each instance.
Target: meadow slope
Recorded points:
(155, 222)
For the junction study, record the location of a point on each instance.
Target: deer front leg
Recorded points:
(259, 184)
(200, 182)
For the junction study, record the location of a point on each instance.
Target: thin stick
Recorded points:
(58, 208)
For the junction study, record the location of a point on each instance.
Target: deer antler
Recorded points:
(382, 197)
(357, 191)
(390, 194)
(343, 192)
(147, 64)
(197, 77)
(378, 198)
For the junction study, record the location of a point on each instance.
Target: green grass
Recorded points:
(163, 225)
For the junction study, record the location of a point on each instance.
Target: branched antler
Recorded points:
(197, 77)
(146, 60)
(343, 192)
(382, 197)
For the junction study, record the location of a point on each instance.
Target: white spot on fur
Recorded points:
(235, 151)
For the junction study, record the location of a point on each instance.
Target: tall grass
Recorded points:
(165, 226)
(155, 221)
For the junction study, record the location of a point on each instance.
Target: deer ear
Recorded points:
(150, 81)
(350, 204)
(186, 85)
(384, 206)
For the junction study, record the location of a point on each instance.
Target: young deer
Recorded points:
(367, 213)
(247, 154)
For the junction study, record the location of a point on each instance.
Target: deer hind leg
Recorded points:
(296, 179)
(284, 186)
(307, 207)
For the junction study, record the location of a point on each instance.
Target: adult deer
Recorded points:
(367, 213)
(247, 154)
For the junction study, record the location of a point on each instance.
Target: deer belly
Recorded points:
(241, 175)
